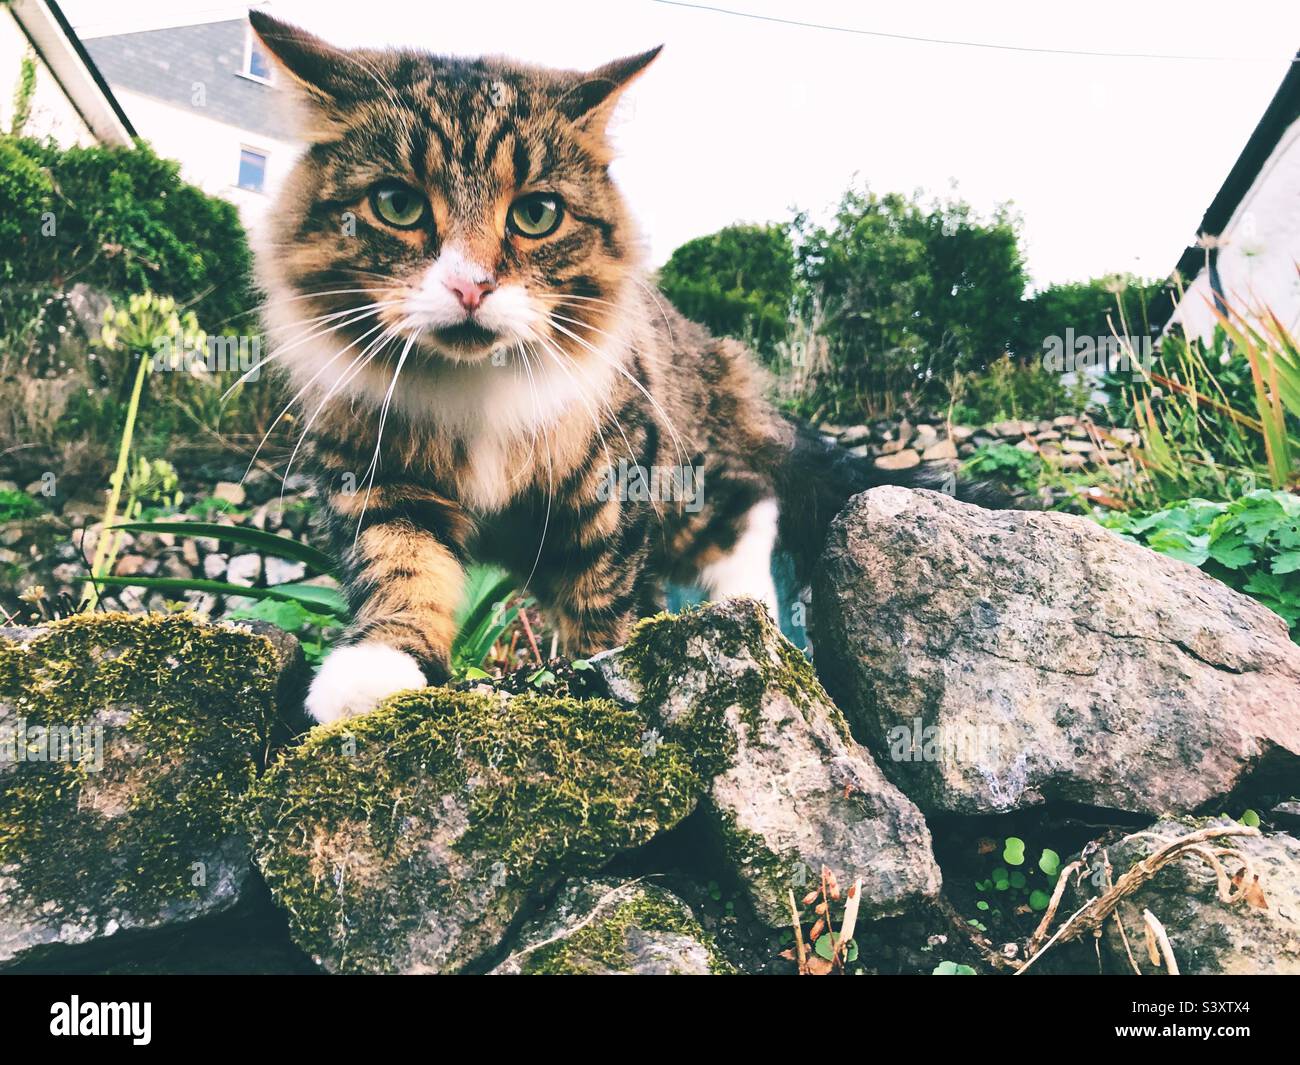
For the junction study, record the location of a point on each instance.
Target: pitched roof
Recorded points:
(65, 57)
(1281, 114)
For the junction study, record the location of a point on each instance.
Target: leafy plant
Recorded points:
(952, 968)
(1005, 464)
(1251, 544)
(489, 609)
(17, 505)
(137, 328)
(1021, 887)
(1217, 420)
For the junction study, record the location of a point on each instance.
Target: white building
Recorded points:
(1248, 247)
(70, 103)
(203, 95)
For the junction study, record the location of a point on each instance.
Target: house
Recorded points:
(1248, 242)
(204, 94)
(66, 98)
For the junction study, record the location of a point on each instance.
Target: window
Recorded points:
(252, 170)
(257, 64)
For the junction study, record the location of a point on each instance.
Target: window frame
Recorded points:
(261, 153)
(246, 70)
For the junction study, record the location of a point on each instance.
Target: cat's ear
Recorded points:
(590, 102)
(324, 75)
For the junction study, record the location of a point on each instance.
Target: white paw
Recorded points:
(353, 679)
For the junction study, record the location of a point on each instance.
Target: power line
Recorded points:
(958, 43)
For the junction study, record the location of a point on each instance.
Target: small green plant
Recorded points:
(952, 968)
(1251, 544)
(17, 505)
(1015, 885)
(139, 328)
(1218, 419)
(1005, 464)
(314, 629)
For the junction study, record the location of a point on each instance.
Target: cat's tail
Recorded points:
(815, 478)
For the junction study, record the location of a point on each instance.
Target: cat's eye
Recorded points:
(398, 205)
(536, 215)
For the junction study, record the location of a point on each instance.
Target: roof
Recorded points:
(167, 64)
(1281, 114)
(64, 56)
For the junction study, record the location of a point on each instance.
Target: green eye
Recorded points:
(399, 206)
(536, 215)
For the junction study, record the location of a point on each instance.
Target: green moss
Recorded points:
(768, 873)
(602, 945)
(412, 809)
(660, 657)
(186, 710)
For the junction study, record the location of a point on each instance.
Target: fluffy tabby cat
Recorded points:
(461, 304)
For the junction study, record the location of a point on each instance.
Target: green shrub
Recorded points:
(1009, 389)
(122, 221)
(1251, 544)
(1006, 465)
(15, 505)
(739, 282)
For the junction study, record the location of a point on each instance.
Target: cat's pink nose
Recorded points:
(470, 293)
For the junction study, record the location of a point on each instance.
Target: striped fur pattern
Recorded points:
(477, 383)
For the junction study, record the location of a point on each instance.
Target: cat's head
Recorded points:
(468, 200)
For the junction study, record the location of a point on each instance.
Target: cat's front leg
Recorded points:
(404, 584)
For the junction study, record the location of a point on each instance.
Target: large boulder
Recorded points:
(996, 660)
(126, 746)
(612, 927)
(1258, 935)
(414, 838)
(788, 791)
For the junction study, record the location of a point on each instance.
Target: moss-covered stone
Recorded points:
(608, 927)
(788, 789)
(409, 839)
(173, 717)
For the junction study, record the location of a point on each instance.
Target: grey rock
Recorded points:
(614, 928)
(283, 571)
(1207, 935)
(133, 823)
(788, 789)
(244, 570)
(996, 660)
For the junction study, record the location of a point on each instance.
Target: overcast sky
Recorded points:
(1111, 161)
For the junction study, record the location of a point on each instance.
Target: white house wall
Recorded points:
(208, 151)
(1258, 249)
(52, 114)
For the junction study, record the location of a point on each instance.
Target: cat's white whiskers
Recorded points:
(362, 313)
(550, 479)
(303, 391)
(672, 429)
(379, 434)
(359, 363)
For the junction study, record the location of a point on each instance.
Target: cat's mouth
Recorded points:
(464, 340)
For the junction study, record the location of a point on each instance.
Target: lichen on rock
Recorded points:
(412, 838)
(611, 927)
(128, 743)
(788, 790)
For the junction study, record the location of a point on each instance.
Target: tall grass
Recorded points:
(1217, 420)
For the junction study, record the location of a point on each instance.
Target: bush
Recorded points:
(910, 293)
(739, 282)
(120, 220)
(1008, 389)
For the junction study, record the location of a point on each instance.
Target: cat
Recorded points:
(462, 306)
